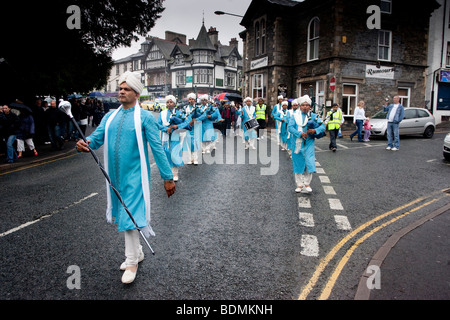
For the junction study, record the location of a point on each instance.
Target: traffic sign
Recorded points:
(333, 84)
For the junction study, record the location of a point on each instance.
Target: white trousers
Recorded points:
(21, 144)
(132, 246)
(303, 179)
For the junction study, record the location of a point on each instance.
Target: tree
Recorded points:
(41, 55)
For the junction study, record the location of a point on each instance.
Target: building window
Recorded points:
(384, 45)
(404, 95)
(203, 56)
(349, 97)
(232, 61)
(447, 62)
(179, 60)
(258, 87)
(203, 76)
(260, 36)
(257, 35)
(117, 69)
(154, 54)
(313, 39)
(230, 79)
(386, 6)
(181, 77)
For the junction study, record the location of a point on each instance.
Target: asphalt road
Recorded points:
(229, 232)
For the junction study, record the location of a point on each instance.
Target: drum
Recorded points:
(251, 124)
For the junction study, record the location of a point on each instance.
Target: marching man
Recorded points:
(304, 127)
(247, 113)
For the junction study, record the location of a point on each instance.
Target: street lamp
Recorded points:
(219, 13)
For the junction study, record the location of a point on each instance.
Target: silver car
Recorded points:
(446, 150)
(416, 121)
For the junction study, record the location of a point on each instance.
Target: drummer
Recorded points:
(247, 113)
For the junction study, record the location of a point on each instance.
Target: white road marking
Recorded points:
(304, 202)
(306, 219)
(45, 216)
(310, 246)
(324, 179)
(341, 146)
(342, 222)
(335, 204)
(329, 190)
(320, 170)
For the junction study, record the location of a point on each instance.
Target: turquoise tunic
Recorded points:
(251, 134)
(173, 147)
(305, 159)
(208, 132)
(124, 162)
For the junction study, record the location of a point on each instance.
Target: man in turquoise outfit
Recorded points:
(125, 134)
(303, 157)
(171, 122)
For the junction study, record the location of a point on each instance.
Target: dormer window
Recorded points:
(203, 56)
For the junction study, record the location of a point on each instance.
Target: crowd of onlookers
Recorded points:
(43, 123)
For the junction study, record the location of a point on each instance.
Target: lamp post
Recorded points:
(220, 13)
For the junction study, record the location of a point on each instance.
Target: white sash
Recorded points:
(144, 172)
(300, 123)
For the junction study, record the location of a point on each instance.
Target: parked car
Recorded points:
(416, 121)
(447, 147)
(147, 105)
(109, 102)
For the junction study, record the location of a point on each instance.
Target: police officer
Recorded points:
(333, 122)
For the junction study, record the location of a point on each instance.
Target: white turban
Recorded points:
(133, 79)
(295, 101)
(170, 97)
(280, 97)
(248, 99)
(191, 95)
(304, 99)
(204, 97)
(284, 103)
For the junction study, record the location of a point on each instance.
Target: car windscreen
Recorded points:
(380, 115)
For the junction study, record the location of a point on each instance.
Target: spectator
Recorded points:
(10, 124)
(55, 123)
(26, 133)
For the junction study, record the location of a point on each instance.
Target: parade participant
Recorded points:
(209, 116)
(333, 122)
(291, 138)
(304, 127)
(125, 134)
(170, 122)
(247, 113)
(260, 116)
(10, 123)
(277, 109)
(282, 119)
(194, 133)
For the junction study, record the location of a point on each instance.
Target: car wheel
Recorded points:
(429, 132)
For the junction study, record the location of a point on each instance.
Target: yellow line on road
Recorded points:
(326, 260)
(35, 165)
(331, 282)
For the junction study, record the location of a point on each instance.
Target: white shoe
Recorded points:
(129, 276)
(388, 148)
(394, 149)
(195, 162)
(175, 178)
(298, 189)
(123, 266)
(253, 148)
(306, 190)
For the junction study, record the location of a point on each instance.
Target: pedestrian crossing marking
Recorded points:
(324, 179)
(342, 222)
(329, 190)
(310, 245)
(306, 219)
(335, 204)
(304, 202)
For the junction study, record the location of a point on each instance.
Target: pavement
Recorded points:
(405, 264)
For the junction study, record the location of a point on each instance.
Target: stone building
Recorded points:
(295, 48)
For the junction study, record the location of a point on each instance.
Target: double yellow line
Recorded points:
(338, 269)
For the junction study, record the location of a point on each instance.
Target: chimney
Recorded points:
(213, 36)
(233, 42)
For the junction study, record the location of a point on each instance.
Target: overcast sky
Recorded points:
(185, 17)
